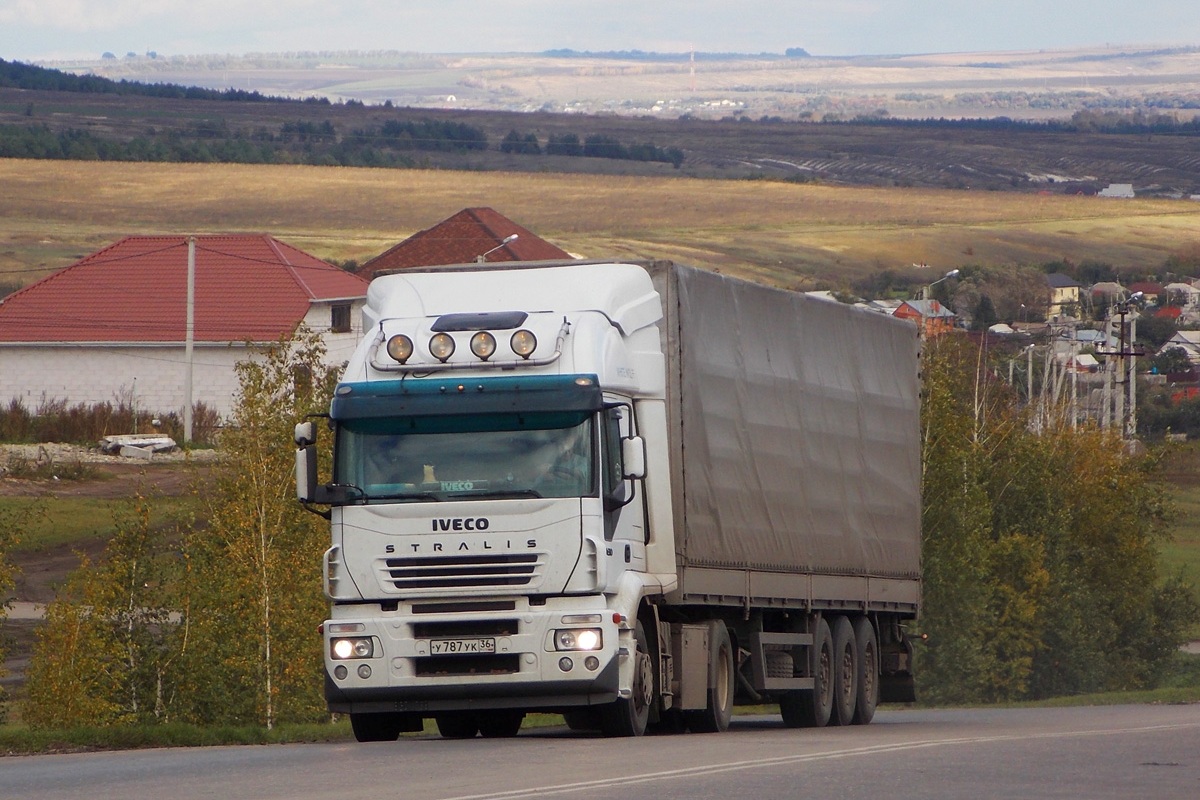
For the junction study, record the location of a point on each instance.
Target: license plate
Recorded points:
(443, 647)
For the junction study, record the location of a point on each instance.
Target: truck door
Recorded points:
(624, 508)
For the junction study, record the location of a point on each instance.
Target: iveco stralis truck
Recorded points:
(631, 494)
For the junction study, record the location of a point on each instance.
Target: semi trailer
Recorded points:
(635, 494)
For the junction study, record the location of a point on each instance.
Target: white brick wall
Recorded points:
(150, 376)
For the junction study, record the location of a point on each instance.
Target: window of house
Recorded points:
(339, 318)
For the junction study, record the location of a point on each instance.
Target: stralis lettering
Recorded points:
(442, 547)
(467, 524)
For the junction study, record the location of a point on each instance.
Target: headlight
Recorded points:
(400, 348)
(523, 343)
(441, 346)
(583, 639)
(483, 344)
(345, 649)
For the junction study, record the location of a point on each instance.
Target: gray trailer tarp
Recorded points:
(795, 432)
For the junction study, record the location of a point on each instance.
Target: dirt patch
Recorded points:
(112, 480)
(105, 476)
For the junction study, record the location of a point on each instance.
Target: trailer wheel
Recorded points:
(629, 716)
(845, 672)
(457, 726)
(500, 724)
(375, 727)
(812, 708)
(715, 717)
(868, 671)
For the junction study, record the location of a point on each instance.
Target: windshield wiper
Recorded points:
(499, 493)
(425, 497)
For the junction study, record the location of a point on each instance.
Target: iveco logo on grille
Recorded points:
(461, 524)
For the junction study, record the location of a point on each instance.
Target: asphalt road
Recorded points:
(1143, 752)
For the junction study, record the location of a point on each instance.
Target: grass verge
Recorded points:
(1181, 686)
(22, 740)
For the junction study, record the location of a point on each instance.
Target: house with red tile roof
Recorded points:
(464, 238)
(112, 326)
(931, 316)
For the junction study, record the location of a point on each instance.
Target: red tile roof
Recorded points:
(247, 287)
(460, 239)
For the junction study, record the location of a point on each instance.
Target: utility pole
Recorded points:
(189, 339)
(1121, 370)
(1131, 419)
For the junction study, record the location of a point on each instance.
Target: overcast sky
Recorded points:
(49, 29)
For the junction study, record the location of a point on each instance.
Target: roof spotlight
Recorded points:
(400, 348)
(483, 345)
(523, 343)
(441, 346)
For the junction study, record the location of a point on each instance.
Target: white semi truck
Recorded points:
(631, 493)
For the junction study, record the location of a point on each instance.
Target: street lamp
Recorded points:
(929, 289)
(481, 258)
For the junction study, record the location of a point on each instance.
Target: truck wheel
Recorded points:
(868, 671)
(629, 716)
(845, 672)
(715, 717)
(457, 726)
(500, 724)
(811, 709)
(375, 727)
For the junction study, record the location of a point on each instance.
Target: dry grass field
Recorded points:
(803, 235)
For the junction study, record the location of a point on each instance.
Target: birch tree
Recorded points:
(253, 592)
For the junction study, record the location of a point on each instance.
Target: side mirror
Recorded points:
(306, 474)
(306, 461)
(306, 434)
(633, 453)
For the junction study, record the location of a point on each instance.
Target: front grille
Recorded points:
(465, 572)
(466, 629)
(500, 664)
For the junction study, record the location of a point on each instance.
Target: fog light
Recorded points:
(364, 671)
(340, 672)
(483, 344)
(592, 663)
(565, 664)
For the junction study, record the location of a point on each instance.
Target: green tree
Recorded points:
(12, 521)
(1040, 560)
(956, 515)
(984, 315)
(252, 586)
(1173, 359)
(102, 655)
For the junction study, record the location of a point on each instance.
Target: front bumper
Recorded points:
(524, 672)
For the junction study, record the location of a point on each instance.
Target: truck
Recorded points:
(633, 494)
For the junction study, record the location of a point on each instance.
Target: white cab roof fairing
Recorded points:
(612, 310)
(622, 292)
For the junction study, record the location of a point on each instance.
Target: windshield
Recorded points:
(485, 455)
